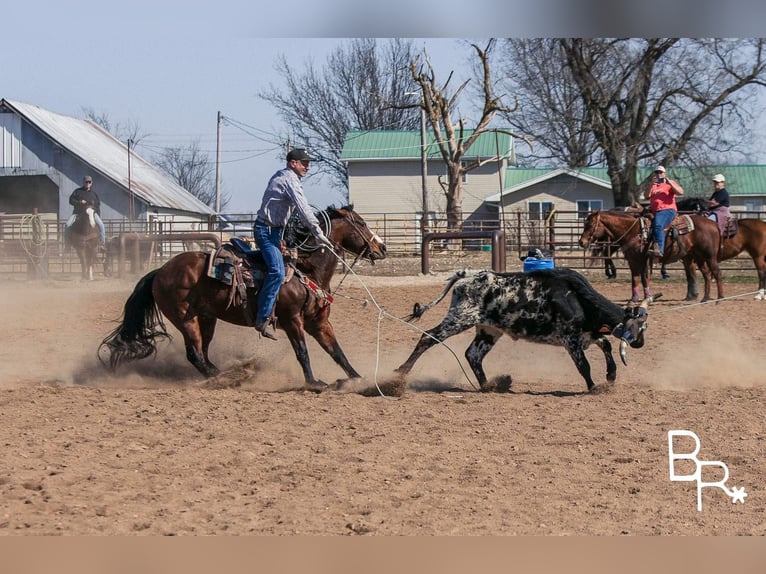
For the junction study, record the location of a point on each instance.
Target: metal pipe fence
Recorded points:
(33, 246)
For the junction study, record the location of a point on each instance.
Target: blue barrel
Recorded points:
(533, 264)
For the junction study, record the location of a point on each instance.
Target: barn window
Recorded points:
(539, 210)
(585, 206)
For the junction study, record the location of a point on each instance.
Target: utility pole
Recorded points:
(130, 190)
(218, 170)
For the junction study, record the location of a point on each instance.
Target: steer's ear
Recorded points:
(605, 330)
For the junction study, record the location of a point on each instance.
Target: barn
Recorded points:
(44, 157)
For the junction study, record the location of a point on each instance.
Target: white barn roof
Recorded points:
(109, 156)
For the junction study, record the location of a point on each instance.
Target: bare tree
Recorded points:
(453, 138)
(551, 113)
(354, 91)
(650, 100)
(192, 169)
(129, 131)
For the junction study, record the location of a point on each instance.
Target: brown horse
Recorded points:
(749, 237)
(182, 291)
(699, 246)
(83, 237)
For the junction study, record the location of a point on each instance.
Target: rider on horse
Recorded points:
(283, 195)
(662, 203)
(81, 199)
(718, 204)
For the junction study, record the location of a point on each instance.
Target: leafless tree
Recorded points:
(453, 138)
(642, 100)
(550, 111)
(353, 91)
(192, 169)
(129, 131)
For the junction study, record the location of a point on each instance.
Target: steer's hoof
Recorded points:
(499, 384)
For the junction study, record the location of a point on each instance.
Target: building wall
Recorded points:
(563, 192)
(396, 186)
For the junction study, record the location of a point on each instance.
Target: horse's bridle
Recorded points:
(355, 226)
(608, 231)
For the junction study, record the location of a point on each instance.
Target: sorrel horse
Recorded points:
(83, 237)
(631, 233)
(750, 237)
(182, 291)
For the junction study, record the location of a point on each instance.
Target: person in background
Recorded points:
(283, 196)
(718, 204)
(81, 199)
(662, 203)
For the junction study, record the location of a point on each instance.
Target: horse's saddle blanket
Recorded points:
(682, 223)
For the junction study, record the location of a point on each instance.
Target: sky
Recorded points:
(170, 66)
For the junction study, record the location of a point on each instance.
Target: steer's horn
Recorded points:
(649, 300)
(624, 351)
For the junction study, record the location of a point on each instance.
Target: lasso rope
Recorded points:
(36, 245)
(688, 306)
(383, 313)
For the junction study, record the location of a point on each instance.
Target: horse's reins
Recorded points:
(609, 232)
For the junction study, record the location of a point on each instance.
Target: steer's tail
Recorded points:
(419, 310)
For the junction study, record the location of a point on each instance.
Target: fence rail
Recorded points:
(34, 246)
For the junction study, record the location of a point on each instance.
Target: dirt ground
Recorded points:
(155, 450)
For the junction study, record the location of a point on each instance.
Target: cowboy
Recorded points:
(81, 199)
(283, 195)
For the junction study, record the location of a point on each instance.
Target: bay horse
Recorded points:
(183, 292)
(699, 246)
(83, 236)
(750, 237)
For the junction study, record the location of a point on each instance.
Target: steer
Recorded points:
(554, 306)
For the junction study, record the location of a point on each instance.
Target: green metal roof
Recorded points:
(740, 179)
(393, 144)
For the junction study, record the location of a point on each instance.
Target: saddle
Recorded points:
(730, 228)
(237, 264)
(679, 225)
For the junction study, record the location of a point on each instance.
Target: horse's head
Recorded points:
(350, 231)
(91, 216)
(592, 230)
(693, 204)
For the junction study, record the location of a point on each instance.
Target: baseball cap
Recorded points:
(298, 153)
(660, 168)
(719, 177)
(88, 179)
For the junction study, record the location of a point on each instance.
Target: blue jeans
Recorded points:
(267, 239)
(661, 219)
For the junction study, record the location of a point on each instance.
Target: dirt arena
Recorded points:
(157, 451)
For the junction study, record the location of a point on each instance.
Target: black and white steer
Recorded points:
(554, 306)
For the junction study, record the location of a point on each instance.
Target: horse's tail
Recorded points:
(419, 310)
(135, 338)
